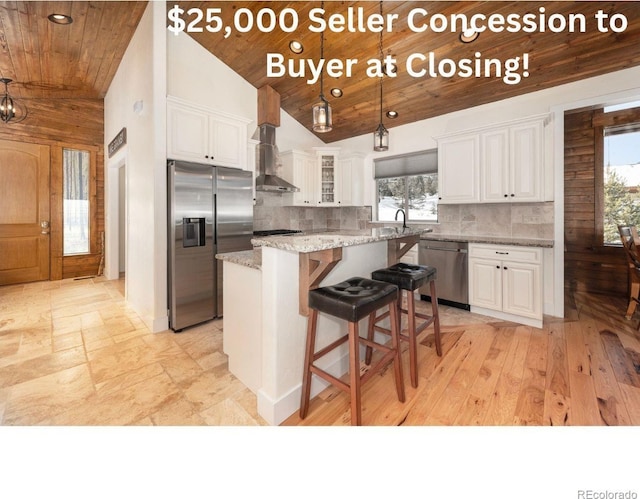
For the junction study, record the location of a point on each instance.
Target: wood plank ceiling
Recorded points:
(554, 58)
(79, 60)
(75, 61)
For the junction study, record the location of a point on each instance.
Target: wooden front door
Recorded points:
(24, 212)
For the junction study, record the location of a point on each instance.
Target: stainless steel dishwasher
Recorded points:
(450, 260)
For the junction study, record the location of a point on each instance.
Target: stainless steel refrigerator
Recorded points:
(210, 212)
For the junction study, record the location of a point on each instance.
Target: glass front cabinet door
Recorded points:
(329, 194)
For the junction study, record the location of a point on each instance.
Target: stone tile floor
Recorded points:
(73, 353)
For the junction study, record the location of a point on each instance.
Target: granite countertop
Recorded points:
(512, 241)
(316, 241)
(248, 258)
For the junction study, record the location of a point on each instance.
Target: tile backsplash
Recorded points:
(523, 220)
(271, 213)
(526, 220)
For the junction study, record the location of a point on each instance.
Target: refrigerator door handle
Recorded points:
(215, 225)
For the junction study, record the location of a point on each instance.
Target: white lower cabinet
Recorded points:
(506, 282)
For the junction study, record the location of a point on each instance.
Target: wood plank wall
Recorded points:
(589, 266)
(75, 123)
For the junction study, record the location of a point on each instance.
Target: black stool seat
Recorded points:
(406, 276)
(352, 299)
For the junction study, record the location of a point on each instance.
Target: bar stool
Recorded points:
(351, 301)
(409, 278)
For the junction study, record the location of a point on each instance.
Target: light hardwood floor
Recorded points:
(71, 353)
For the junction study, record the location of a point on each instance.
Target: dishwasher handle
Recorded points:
(450, 250)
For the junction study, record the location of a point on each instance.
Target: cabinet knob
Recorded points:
(512, 195)
(497, 266)
(506, 195)
(505, 268)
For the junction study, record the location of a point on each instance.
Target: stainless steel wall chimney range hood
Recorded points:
(268, 158)
(267, 151)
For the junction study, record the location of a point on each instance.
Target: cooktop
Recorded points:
(275, 232)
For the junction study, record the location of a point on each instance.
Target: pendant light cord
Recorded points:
(381, 65)
(322, 57)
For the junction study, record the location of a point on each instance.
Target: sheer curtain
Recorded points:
(75, 164)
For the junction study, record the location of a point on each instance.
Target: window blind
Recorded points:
(620, 129)
(416, 163)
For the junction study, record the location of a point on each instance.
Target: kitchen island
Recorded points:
(266, 292)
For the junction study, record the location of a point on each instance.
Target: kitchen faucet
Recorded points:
(404, 218)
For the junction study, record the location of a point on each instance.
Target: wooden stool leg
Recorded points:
(354, 374)
(413, 342)
(370, 331)
(308, 360)
(395, 343)
(634, 288)
(436, 315)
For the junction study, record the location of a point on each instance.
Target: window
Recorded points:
(621, 199)
(76, 171)
(408, 182)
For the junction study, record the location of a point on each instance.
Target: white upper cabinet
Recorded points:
(205, 136)
(324, 178)
(497, 164)
(459, 169)
(300, 169)
(526, 155)
(511, 166)
(351, 171)
(328, 177)
(188, 133)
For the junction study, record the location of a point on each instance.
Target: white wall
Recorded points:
(196, 75)
(141, 77)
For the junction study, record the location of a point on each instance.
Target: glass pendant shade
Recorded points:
(7, 111)
(381, 138)
(10, 110)
(322, 116)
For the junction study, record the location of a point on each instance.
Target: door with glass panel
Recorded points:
(24, 212)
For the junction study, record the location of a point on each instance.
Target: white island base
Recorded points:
(264, 331)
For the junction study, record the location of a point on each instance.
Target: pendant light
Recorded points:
(10, 110)
(381, 135)
(322, 109)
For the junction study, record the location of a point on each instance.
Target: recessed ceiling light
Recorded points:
(296, 47)
(392, 114)
(469, 35)
(336, 92)
(60, 18)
